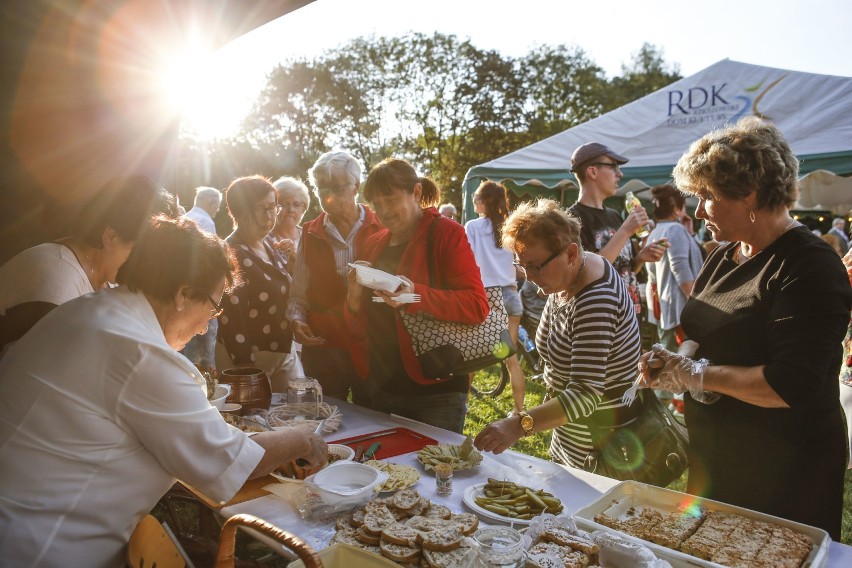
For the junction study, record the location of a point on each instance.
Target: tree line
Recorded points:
(437, 101)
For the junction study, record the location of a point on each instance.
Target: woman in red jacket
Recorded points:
(381, 347)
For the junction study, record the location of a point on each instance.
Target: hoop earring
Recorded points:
(751, 216)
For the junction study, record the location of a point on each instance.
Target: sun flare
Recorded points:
(208, 101)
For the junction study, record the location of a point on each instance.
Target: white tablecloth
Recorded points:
(573, 487)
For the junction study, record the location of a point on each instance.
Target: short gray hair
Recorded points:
(838, 222)
(203, 193)
(448, 207)
(288, 184)
(330, 163)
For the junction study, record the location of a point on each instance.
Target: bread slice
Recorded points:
(365, 537)
(467, 522)
(406, 499)
(343, 522)
(423, 524)
(358, 516)
(564, 538)
(443, 539)
(570, 558)
(376, 520)
(445, 559)
(420, 508)
(400, 552)
(399, 533)
(345, 536)
(438, 512)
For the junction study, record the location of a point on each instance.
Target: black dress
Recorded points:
(787, 308)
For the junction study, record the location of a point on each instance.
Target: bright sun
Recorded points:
(211, 104)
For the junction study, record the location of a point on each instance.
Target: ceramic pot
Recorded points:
(249, 387)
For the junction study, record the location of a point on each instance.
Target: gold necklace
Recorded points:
(739, 255)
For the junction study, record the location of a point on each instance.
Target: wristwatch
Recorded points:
(527, 423)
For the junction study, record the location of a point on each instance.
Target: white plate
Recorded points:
(376, 279)
(469, 498)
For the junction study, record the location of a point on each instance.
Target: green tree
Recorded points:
(646, 73)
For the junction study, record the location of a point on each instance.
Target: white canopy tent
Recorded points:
(813, 111)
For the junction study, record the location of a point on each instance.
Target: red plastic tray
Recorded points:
(394, 442)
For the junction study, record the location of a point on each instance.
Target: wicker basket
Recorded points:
(225, 556)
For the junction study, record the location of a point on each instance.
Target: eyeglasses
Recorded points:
(337, 190)
(615, 167)
(217, 309)
(533, 270)
(272, 210)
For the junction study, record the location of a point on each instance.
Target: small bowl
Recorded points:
(222, 392)
(346, 482)
(376, 279)
(341, 452)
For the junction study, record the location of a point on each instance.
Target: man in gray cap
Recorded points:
(598, 172)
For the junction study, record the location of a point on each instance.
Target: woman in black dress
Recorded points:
(769, 311)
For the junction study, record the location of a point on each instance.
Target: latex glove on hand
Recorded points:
(661, 369)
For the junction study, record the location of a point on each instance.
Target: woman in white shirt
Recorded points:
(491, 202)
(93, 435)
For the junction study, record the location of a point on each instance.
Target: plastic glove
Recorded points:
(675, 373)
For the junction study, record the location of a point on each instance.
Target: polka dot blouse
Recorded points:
(253, 318)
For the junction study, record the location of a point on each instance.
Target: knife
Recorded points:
(370, 437)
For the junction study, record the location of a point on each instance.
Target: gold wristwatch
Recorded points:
(527, 423)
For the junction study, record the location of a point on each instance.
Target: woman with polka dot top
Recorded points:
(252, 327)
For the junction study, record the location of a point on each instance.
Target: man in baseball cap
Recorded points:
(598, 172)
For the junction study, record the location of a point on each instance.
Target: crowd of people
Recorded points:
(129, 304)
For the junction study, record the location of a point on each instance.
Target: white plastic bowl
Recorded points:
(222, 392)
(376, 279)
(346, 482)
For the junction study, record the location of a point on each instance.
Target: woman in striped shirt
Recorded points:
(588, 338)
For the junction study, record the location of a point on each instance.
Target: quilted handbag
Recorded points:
(451, 349)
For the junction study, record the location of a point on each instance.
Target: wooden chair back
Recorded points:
(151, 547)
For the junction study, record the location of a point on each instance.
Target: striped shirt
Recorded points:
(590, 346)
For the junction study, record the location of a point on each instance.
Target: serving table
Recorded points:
(575, 488)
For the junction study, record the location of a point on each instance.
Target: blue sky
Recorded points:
(811, 36)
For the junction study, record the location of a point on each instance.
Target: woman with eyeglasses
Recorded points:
(293, 199)
(253, 327)
(94, 435)
(588, 337)
(450, 290)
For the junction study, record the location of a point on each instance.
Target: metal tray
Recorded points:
(627, 494)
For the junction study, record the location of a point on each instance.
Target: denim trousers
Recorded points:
(445, 410)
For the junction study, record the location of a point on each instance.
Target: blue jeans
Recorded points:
(201, 349)
(446, 410)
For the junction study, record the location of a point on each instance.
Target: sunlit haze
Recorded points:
(810, 36)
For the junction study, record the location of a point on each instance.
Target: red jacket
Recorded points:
(327, 290)
(462, 301)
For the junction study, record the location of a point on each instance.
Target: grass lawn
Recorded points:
(486, 409)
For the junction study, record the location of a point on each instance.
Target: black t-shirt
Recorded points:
(597, 228)
(786, 308)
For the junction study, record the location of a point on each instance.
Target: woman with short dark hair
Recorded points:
(92, 436)
(253, 327)
(381, 347)
(769, 311)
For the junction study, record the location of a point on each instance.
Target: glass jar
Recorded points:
(304, 396)
(500, 546)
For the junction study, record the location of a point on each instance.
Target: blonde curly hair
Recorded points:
(731, 162)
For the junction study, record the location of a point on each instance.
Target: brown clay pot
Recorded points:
(249, 387)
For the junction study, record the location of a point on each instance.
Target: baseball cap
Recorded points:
(592, 150)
